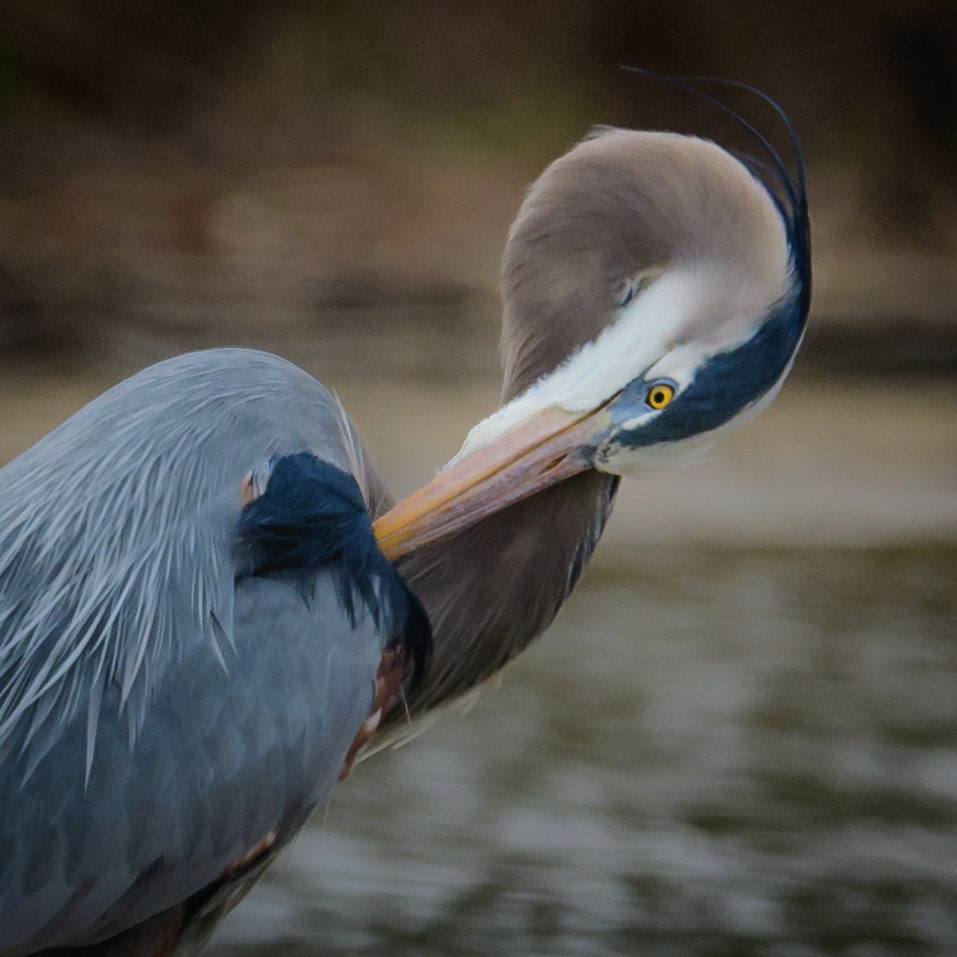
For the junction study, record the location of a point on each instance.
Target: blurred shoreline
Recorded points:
(173, 177)
(337, 189)
(837, 461)
(126, 257)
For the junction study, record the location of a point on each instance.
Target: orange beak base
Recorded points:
(545, 449)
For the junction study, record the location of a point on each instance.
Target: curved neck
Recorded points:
(492, 589)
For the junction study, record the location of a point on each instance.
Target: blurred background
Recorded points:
(739, 736)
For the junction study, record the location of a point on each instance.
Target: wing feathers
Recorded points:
(115, 555)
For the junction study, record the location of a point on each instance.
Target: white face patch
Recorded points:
(666, 331)
(637, 460)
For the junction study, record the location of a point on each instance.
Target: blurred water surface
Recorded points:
(739, 737)
(714, 751)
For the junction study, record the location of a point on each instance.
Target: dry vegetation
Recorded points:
(184, 173)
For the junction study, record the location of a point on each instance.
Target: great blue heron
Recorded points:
(197, 630)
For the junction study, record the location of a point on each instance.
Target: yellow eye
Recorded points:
(660, 395)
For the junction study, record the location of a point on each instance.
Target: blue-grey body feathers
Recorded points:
(162, 714)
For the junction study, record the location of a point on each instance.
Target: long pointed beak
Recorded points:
(545, 449)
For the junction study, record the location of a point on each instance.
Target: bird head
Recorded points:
(655, 292)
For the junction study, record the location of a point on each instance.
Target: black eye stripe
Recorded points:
(726, 383)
